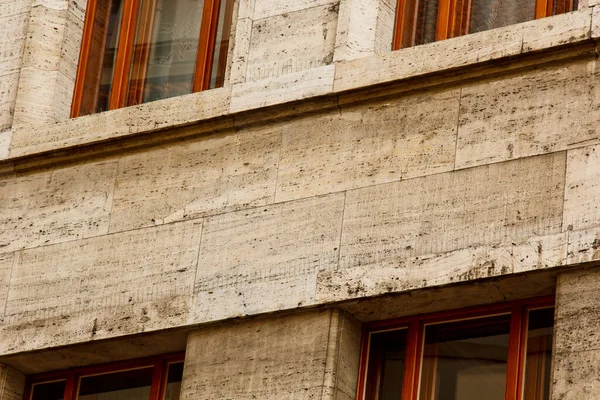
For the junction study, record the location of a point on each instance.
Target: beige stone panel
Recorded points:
(12, 383)
(289, 357)
(149, 117)
(348, 357)
(246, 9)
(404, 274)
(535, 112)
(576, 375)
(269, 8)
(211, 175)
(14, 7)
(44, 38)
(13, 31)
(52, 4)
(71, 45)
(267, 258)
(63, 97)
(8, 96)
(56, 206)
(595, 19)
(584, 246)
(292, 42)
(101, 287)
(365, 145)
(464, 51)
(384, 31)
(582, 190)
(282, 89)
(241, 49)
(5, 144)
(451, 211)
(6, 265)
(34, 104)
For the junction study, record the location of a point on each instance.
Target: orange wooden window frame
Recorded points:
(453, 18)
(72, 376)
(518, 311)
(126, 53)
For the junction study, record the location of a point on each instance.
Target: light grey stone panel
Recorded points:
(13, 31)
(267, 258)
(101, 287)
(12, 383)
(582, 191)
(241, 49)
(292, 42)
(211, 175)
(269, 8)
(576, 375)
(71, 46)
(535, 112)
(56, 206)
(288, 357)
(14, 7)
(8, 96)
(45, 36)
(34, 105)
(584, 246)
(365, 145)
(450, 211)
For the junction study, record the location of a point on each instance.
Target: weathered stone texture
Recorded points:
(6, 265)
(56, 206)
(576, 345)
(445, 212)
(290, 357)
(535, 112)
(269, 8)
(101, 287)
(582, 191)
(216, 174)
(12, 383)
(292, 42)
(366, 145)
(266, 258)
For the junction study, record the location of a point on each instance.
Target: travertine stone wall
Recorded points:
(12, 383)
(576, 358)
(311, 355)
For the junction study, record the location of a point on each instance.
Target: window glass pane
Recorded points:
(536, 384)
(101, 58)
(49, 391)
(490, 14)
(386, 365)
(125, 385)
(466, 360)
(174, 381)
(426, 21)
(170, 46)
(217, 76)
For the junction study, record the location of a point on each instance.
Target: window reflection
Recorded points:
(49, 391)
(386, 365)
(125, 385)
(536, 384)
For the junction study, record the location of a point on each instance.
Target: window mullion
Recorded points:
(206, 44)
(157, 380)
(444, 19)
(414, 353)
(543, 8)
(124, 54)
(71, 387)
(515, 353)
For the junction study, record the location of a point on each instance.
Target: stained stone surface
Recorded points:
(56, 206)
(582, 190)
(292, 357)
(366, 145)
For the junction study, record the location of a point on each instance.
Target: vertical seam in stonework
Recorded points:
(339, 258)
(198, 259)
(114, 191)
(278, 168)
(16, 256)
(338, 353)
(457, 126)
(326, 353)
(562, 210)
(21, 58)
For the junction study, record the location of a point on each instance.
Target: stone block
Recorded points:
(584, 246)
(401, 138)
(292, 42)
(582, 189)
(210, 175)
(8, 96)
(576, 375)
(285, 88)
(267, 258)
(5, 138)
(56, 206)
(45, 36)
(6, 266)
(71, 45)
(270, 8)
(101, 287)
(440, 213)
(12, 383)
(291, 357)
(34, 105)
(540, 111)
(239, 62)
(13, 31)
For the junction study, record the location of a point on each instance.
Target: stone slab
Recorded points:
(241, 48)
(6, 266)
(12, 383)
(101, 287)
(401, 138)
(5, 138)
(291, 42)
(56, 206)
(270, 8)
(576, 375)
(584, 246)
(13, 31)
(285, 88)
(187, 180)
(8, 96)
(267, 258)
(289, 357)
(582, 188)
(535, 112)
(463, 51)
(45, 34)
(450, 211)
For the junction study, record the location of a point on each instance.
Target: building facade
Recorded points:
(266, 229)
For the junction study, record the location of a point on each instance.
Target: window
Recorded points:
(424, 21)
(500, 352)
(136, 51)
(156, 378)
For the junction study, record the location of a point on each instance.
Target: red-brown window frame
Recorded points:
(415, 338)
(125, 50)
(73, 376)
(453, 17)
